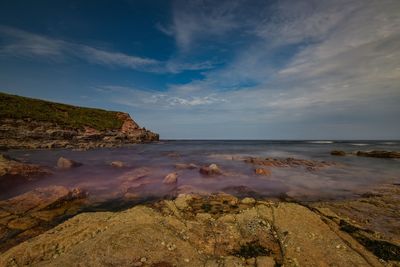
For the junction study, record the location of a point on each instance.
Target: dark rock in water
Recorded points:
(379, 154)
(338, 153)
(64, 163)
(210, 170)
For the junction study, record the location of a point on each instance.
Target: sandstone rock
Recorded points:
(248, 201)
(117, 164)
(171, 178)
(338, 153)
(265, 261)
(379, 154)
(212, 169)
(64, 163)
(174, 238)
(9, 166)
(36, 211)
(262, 171)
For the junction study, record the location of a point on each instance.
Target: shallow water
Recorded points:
(354, 176)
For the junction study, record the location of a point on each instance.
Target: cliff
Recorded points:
(27, 123)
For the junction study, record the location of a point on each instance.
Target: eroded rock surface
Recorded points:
(217, 230)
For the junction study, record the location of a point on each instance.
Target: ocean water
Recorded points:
(354, 176)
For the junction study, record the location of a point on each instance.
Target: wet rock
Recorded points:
(210, 170)
(171, 178)
(36, 211)
(182, 166)
(117, 164)
(262, 171)
(338, 153)
(64, 163)
(379, 154)
(10, 166)
(135, 174)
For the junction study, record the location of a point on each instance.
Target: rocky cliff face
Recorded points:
(32, 134)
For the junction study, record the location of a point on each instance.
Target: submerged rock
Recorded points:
(338, 153)
(182, 166)
(64, 163)
(290, 163)
(212, 169)
(171, 178)
(117, 164)
(10, 166)
(379, 154)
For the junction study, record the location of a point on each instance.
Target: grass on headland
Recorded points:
(18, 107)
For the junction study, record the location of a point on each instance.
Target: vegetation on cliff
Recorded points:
(18, 107)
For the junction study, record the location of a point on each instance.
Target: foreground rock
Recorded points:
(379, 154)
(373, 220)
(13, 167)
(217, 230)
(310, 165)
(171, 178)
(34, 212)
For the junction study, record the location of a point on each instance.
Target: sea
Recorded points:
(351, 177)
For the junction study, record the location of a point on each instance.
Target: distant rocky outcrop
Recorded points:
(27, 123)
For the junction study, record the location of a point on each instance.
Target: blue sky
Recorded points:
(214, 69)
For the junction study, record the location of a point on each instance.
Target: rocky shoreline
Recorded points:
(201, 230)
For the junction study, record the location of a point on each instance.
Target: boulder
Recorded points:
(212, 169)
(171, 178)
(64, 163)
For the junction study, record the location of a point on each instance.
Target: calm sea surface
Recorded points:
(354, 176)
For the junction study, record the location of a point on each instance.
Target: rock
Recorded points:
(379, 154)
(265, 261)
(171, 178)
(36, 211)
(64, 163)
(166, 236)
(338, 153)
(10, 166)
(248, 201)
(262, 171)
(212, 169)
(117, 164)
(290, 163)
(134, 174)
(182, 166)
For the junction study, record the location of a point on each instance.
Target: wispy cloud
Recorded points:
(20, 43)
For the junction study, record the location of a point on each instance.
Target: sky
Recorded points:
(236, 69)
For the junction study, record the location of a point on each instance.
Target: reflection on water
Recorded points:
(104, 182)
